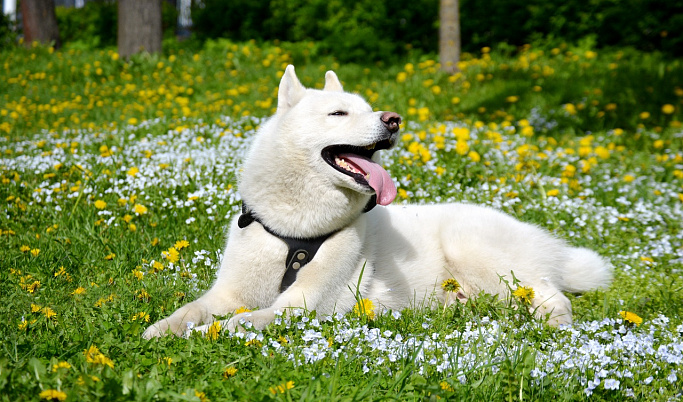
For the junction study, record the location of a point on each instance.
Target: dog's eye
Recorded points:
(338, 113)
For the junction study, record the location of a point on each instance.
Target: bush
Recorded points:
(364, 31)
(8, 36)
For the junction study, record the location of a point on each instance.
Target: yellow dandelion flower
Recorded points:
(631, 317)
(25, 249)
(48, 312)
(140, 209)
(629, 178)
(214, 331)
(94, 356)
(450, 285)
(79, 290)
(446, 386)
(229, 372)
(52, 395)
(552, 193)
(668, 109)
(512, 99)
(474, 155)
(282, 388)
(524, 294)
(181, 244)
(644, 115)
(35, 252)
(60, 365)
(461, 147)
(133, 171)
(242, 309)
(109, 257)
(253, 342)
(99, 204)
(364, 307)
(171, 255)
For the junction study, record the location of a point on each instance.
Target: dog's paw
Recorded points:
(166, 326)
(252, 320)
(156, 330)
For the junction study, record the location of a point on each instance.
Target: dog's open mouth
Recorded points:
(356, 162)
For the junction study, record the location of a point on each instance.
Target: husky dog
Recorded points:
(309, 236)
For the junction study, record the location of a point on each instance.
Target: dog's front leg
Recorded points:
(322, 284)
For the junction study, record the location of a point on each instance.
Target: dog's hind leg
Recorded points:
(551, 304)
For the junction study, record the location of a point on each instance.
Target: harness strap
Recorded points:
(300, 251)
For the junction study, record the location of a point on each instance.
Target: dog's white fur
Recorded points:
(403, 252)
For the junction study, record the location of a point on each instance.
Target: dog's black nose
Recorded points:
(391, 121)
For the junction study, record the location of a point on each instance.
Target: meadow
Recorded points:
(118, 177)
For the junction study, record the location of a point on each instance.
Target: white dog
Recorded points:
(309, 237)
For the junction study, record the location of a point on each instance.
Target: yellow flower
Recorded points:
(631, 317)
(461, 147)
(48, 312)
(24, 249)
(133, 171)
(644, 115)
(446, 386)
(629, 178)
(241, 310)
(668, 109)
(94, 356)
(512, 99)
(214, 331)
(364, 307)
(35, 252)
(109, 257)
(229, 372)
(450, 285)
(474, 155)
(60, 365)
(524, 294)
(181, 244)
(171, 255)
(79, 290)
(52, 395)
(552, 193)
(99, 204)
(140, 209)
(282, 387)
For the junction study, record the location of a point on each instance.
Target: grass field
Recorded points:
(117, 179)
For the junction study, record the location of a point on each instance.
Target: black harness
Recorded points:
(301, 251)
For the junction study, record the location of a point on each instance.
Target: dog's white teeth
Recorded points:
(345, 165)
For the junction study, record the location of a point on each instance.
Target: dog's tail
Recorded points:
(585, 270)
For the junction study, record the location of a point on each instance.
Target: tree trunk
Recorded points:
(40, 22)
(449, 35)
(139, 26)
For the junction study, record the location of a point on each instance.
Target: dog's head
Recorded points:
(313, 167)
(341, 132)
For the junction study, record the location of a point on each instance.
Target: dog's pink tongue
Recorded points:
(377, 177)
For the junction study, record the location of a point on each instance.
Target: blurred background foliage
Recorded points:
(370, 30)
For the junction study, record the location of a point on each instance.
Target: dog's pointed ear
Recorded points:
(332, 82)
(290, 91)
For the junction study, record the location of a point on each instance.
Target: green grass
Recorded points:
(74, 276)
